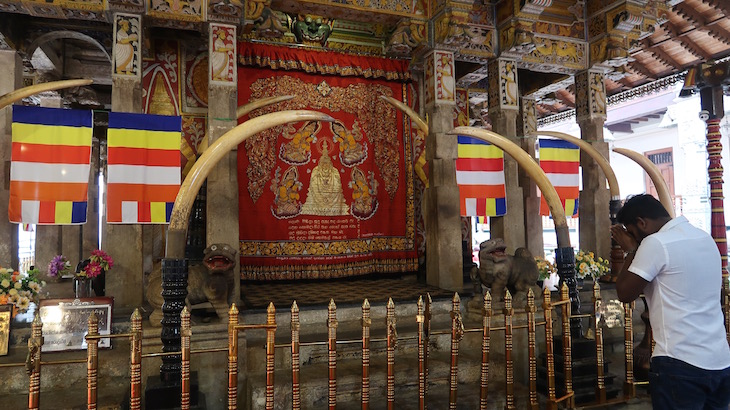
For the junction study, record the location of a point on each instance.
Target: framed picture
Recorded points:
(5, 317)
(66, 322)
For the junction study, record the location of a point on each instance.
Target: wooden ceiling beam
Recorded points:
(719, 33)
(690, 14)
(720, 5)
(640, 68)
(662, 56)
(689, 45)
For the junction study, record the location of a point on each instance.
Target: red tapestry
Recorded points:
(326, 200)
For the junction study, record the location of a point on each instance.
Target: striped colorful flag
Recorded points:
(561, 161)
(480, 176)
(50, 163)
(143, 167)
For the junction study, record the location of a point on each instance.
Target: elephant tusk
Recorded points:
(420, 122)
(593, 153)
(203, 166)
(533, 170)
(19, 94)
(656, 177)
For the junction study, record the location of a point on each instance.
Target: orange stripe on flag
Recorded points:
(50, 154)
(141, 193)
(481, 191)
(49, 191)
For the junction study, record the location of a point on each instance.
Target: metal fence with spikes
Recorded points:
(487, 331)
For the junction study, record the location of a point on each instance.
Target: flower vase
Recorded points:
(99, 283)
(82, 287)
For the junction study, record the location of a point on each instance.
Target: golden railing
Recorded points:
(457, 331)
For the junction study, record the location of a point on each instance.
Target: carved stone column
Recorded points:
(443, 227)
(11, 65)
(222, 186)
(533, 220)
(503, 112)
(594, 222)
(124, 242)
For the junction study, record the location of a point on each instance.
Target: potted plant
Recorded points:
(545, 270)
(588, 266)
(95, 268)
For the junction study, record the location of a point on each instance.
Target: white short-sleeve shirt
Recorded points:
(683, 267)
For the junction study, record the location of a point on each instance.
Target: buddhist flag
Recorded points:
(50, 163)
(143, 167)
(480, 176)
(561, 161)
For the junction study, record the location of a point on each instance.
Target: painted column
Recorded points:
(443, 228)
(533, 220)
(124, 242)
(11, 65)
(222, 187)
(504, 110)
(593, 208)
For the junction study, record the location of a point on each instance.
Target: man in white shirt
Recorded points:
(678, 267)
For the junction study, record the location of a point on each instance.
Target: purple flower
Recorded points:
(58, 266)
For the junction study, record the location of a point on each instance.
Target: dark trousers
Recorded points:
(675, 384)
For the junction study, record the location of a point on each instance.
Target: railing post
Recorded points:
(33, 363)
(233, 358)
(568, 324)
(366, 322)
(531, 343)
(270, 343)
(547, 306)
(629, 387)
(92, 361)
(486, 338)
(421, 320)
(135, 362)
(600, 382)
(457, 331)
(392, 338)
(509, 379)
(185, 334)
(332, 355)
(296, 400)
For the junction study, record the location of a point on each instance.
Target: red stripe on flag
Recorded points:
(481, 191)
(143, 156)
(479, 164)
(559, 167)
(50, 154)
(47, 214)
(481, 206)
(50, 191)
(143, 212)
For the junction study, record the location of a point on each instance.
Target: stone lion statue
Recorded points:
(210, 281)
(498, 270)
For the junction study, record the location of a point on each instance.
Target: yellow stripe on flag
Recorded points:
(559, 154)
(143, 139)
(51, 135)
(491, 206)
(158, 212)
(63, 212)
(569, 207)
(479, 151)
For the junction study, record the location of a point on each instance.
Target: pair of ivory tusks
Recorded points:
(19, 94)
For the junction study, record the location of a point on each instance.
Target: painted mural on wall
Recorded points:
(127, 37)
(195, 82)
(445, 77)
(183, 10)
(222, 52)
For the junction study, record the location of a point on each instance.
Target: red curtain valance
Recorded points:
(321, 62)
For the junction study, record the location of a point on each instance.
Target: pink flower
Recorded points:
(93, 269)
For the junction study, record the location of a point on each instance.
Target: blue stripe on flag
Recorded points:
(575, 209)
(148, 122)
(463, 139)
(78, 212)
(52, 116)
(548, 143)
(500, 205)
(168, 211)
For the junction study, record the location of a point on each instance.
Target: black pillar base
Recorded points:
(165, 395)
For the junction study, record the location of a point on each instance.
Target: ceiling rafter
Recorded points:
(689, 45)
(665, 58)
(690, 14)
(719, 33)
(720, 5)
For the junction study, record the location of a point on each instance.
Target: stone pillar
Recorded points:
(503, 112)
(444, 264)
(124, 242)
(11, 65)
(594, 215)
(222, 187)
(533, 219)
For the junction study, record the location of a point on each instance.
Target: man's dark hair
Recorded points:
(641, 206)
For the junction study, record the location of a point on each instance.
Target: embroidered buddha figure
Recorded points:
(325, 196)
